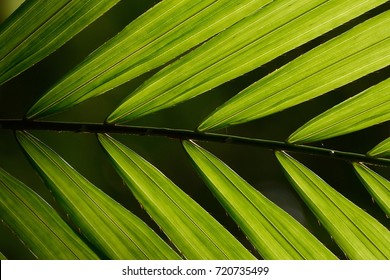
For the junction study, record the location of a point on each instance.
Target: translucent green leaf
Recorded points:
(382, 149)
(167, 30)
(241, 48)
(2, 257)
(108, 225)
(37, 224)
(193, 231)
(39, 27)
(355, 53)
(358, 234)
(366, 109)
(378, 186)
(273, 232)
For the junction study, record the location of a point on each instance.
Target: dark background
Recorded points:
(258, 166)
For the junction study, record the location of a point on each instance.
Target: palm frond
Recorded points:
(167, 30)
(358, 234)
(194, 47)
(329, 66)
(363, 110)
(274, 233)
(40, 27)
(107, 224)
(37, 224)
(193, 231)
(245, 46)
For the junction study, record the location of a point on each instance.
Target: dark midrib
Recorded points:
(182, 134)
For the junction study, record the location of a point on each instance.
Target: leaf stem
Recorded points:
(183, 134)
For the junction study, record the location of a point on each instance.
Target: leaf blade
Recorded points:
(274, 233)
(38, 28)
(382, 149)
(193, 231)
(324, 68)
(365, 109)
(239, 49)
(164, 32)
(113, 229)
(37, 224)
(358, 234)
(377, 186)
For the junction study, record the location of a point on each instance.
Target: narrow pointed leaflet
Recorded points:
(346, 58)
(357, 233)
(164, 32)
(105, 223)
(366, 109)
(277, 28)
(37, 224)
(377, 186)
(195, 233)
(382, 149)
(39, 27)
(273, 232)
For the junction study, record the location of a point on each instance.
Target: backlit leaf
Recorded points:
(378, 186)
(382, 149)
(358, 234)
(273, 232)
(366, 109)
(355, 53)
(193, 231)
(257, 39)
(39, 27)
(164, 32)
(113, 229)
(37, 224)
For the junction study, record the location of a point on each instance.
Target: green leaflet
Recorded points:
(382, 149)
(366, 109)
(164, 32)
(378, 186)
(193, 231)
(355, 53)
(39, 27)
(358, 234)
(273, 232)
(37, 224)
(241, 48)
(2, 257)
(108, 225)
